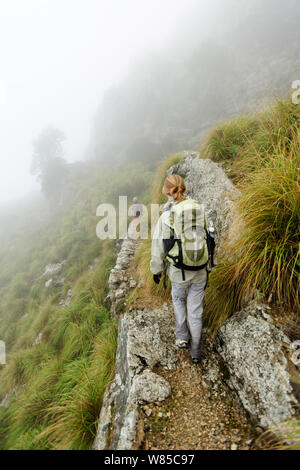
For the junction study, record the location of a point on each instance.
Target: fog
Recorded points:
(57, 58)
(127, 77)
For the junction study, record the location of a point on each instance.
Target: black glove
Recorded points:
(156, 278)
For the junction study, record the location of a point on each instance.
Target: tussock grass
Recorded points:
(265, 256)
(150, 290)
(227, 139)
(285, 436)
(74, 416)
(61, 383)
(245, 143)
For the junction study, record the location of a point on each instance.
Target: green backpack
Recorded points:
(187, 244)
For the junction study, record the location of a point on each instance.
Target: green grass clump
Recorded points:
(285, 436)
(265, 255)
(228, 138)
(247, 142)
(73, 417)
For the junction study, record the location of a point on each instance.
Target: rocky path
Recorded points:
(201, 413)
(158, 398)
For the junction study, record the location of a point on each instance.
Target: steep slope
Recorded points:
(59, 338)
(158, 399)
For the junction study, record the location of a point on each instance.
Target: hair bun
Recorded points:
(175, 190)
(175, 187)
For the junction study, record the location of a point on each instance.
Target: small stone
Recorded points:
(48, 283)
(234, 447)
(38, 339)
(119, 293)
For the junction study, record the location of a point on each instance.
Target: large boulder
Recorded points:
(207, 183)
(253, 350)
(146, 338)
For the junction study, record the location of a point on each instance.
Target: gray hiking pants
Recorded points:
(188, 302)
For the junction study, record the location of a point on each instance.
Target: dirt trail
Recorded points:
(202, 412)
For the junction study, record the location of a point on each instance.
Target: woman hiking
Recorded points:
(186, 254)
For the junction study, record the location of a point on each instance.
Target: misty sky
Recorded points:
(57, 57)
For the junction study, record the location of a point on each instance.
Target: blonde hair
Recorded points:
(174, 186)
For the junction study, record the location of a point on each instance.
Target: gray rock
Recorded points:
(52, 269)
(207, 183)
(49, 283)
(119, 294)
(295, 356)
(213, 374)
(125, 254)
(252, 350)
(60, 282)
(5, 401)
(38, 339)
(119, 283)
(67, 300)
(146, 338)
(149, 388)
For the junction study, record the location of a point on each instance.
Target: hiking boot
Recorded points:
(195, 360)
(181, 343)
